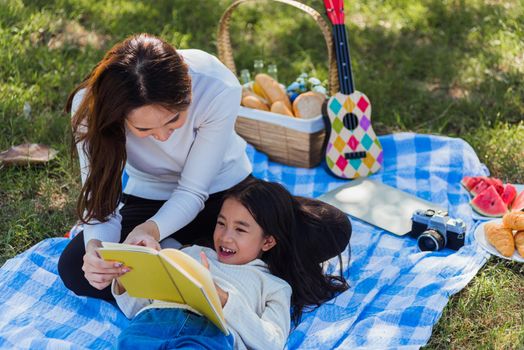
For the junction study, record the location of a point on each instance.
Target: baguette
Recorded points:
(500, 237)
(272, 90)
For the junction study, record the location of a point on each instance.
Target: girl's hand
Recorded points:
(222, 294)
(98, 272)
(145, 234)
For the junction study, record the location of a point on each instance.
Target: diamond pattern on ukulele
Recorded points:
(339, 144)
(380, 157)
(369, 160)
(342, 163)
(362, 104)
(353, 142)
(329, 162)
(349, 105)
(366, 141)
(337, 125)
(365, 123)
(355, 163)
(335, 106)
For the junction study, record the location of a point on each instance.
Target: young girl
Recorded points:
(260, 269)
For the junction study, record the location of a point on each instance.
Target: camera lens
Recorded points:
(430, 240)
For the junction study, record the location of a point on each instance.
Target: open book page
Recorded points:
(196, 285)
(148, 277)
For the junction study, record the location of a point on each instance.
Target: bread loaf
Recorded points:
(308, 105)
(519, 242)
(514, 220)
(272, 90)
(280, 108)
(259, 91)
(500, 237)
(253, 102)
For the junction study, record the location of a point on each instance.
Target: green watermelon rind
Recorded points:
(484, 202)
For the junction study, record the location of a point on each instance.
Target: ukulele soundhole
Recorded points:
(350, 121)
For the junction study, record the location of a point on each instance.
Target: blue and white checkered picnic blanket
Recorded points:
(397, 293)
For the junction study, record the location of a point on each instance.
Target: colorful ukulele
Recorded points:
(352, 148)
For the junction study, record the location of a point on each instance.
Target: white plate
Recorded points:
(480, 236)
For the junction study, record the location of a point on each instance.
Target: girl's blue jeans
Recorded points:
(172, 329)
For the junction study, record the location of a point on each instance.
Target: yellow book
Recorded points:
(169, 275)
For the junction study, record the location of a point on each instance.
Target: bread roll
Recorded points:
(519, 242)
(500, 237)
(280, 108)
(259, 91)
(308, 105)
(272, 90)
(253, 102)
(514, 220)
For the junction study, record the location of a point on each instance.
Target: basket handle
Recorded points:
(225, 52)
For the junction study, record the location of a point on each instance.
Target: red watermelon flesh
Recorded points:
(497, 183)
(484, 182)
(509, 194)
(489, 203)
(469, 182)
(480, 186)
(518, 203)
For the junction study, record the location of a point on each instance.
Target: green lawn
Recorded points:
(454, 68)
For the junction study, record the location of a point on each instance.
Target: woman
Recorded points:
(167, 118)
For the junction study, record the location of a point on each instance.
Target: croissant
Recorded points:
(519, 242)
(514, 220)
(500, 237)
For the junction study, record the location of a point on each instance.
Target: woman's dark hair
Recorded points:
(141, 70)
(296, 224)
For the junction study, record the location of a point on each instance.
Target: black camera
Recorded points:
(435, 230)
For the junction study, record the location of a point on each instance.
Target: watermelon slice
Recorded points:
(480, 186)
(469, 182)
(497, 183)
(509, 194)
(518, 203)
(484, 182)
(489, 203)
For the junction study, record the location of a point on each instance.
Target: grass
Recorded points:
(454, 68)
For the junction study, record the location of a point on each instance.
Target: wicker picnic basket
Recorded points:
(292, 141)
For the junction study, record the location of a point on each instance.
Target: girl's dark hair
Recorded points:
(298, 225)
(141, 70)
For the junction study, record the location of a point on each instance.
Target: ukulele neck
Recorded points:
(345, 74)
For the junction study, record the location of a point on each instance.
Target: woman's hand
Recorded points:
(145, 234)
(98, 272)
(222, 294)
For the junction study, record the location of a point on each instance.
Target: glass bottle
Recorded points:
(258, 66)
(245, 77)
(273, 71)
